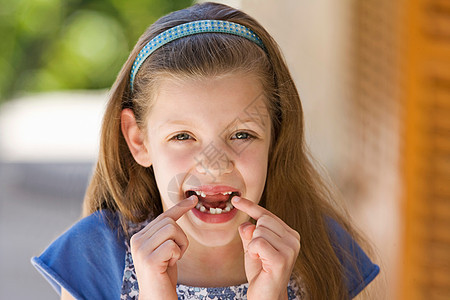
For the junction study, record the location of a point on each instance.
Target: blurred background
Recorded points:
(373, 76)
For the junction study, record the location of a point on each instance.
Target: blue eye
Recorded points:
(181, 137)
(242, 135)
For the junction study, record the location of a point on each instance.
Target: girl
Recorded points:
(203, 188)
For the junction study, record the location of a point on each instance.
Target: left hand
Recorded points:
(271, 248)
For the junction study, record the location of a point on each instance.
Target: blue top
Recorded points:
(88, 260)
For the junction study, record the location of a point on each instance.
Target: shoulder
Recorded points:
(358, 269)
(95, 235)
(86, 258)
(101, 224)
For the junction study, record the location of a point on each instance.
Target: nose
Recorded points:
(214, 160)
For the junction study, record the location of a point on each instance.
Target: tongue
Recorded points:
(208, 205)
(214, 201)
(215, 198)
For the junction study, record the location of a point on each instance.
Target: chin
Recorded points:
(212, 235)
(213, 239)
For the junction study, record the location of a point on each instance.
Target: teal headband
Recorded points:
(190, 29)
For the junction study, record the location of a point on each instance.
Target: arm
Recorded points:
(94, 244)
(65, 295)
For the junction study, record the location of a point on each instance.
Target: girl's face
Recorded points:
(209, 137)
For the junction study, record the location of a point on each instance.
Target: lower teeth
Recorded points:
(215, 211)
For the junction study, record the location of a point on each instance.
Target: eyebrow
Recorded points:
(176, 122)
(235, 122)
(243, 121)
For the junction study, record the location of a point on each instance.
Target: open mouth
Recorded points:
(215, 204)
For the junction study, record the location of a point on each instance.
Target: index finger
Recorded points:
(250, 208)
(254, 210)
(178, 210)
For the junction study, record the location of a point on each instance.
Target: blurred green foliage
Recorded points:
(70, 44)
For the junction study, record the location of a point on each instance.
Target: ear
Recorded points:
(134, 138)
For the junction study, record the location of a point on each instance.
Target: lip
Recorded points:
(209, 218)
(213, 190)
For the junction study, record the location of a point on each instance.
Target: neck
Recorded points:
(205, 266)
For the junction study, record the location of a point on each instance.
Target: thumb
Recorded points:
(246, 232)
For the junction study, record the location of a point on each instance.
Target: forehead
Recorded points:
(213, 99)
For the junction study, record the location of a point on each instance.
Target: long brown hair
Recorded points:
(294, 189)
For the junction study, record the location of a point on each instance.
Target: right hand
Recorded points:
(157, 248)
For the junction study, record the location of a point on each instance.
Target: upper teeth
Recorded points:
(202, 194)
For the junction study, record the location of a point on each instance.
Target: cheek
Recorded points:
(170, 167)
(172, 160)
(253, 167)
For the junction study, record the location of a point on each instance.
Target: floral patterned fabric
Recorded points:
(130, 288)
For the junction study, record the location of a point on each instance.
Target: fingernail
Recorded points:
(236, 199)
(245, 226)
(247, 229)
(188, 202)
